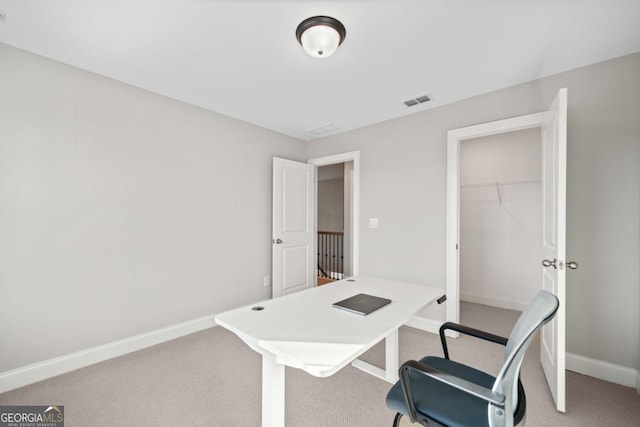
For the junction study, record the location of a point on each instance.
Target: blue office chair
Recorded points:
(437, 391)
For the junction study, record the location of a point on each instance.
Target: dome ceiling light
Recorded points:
(320, 36)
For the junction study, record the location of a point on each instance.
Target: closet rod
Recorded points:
(493, 184)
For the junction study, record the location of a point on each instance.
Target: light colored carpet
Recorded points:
(213, 379)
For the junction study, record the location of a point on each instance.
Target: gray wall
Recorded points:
(403, 164)
(331, 205)
(121, 211)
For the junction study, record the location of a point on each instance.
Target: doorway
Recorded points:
(553, 125)
(337, 207)
(334, 202)
(500, 218)
(455, 138)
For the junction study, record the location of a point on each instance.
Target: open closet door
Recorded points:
(293, 226)
(554, 183)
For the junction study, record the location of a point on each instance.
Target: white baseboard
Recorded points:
(39, 371)
(424, 324)
(493, 302)
(622, 375)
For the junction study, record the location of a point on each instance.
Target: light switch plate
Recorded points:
(373, 223)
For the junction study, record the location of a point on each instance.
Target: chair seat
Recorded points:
(448, 405)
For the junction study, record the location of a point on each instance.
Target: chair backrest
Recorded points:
(539, 312)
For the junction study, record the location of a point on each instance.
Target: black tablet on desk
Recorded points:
(362, 304)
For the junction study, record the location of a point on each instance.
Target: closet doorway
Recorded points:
(500, 218)
(553, 263)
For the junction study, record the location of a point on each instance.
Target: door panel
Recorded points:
(295, 216)
(548, 335)
(554, 163)
(549, 188)
(296, 272)
(293, 226)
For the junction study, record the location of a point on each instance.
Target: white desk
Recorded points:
(304, 331)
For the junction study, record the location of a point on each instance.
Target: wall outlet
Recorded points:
(266, 281)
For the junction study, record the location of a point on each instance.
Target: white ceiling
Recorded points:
(241, 58)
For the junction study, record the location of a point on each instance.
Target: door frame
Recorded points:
(350, 156)
(454, 138)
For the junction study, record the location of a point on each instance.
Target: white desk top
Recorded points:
(304, 331)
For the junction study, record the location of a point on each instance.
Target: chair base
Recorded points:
(403, 421)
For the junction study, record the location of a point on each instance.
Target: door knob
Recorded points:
(278, 241)
(547, 263)
(572, 265)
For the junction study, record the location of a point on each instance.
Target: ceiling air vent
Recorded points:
(323, 129)
(416, 101)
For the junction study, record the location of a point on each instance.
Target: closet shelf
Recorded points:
(497, 185)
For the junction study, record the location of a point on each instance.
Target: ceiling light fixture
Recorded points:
(320, 36)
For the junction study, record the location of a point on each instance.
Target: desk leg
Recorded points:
(390, 371)
(391, 356)
(272, 393)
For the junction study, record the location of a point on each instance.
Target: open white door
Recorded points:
(293, 228)
(554, 183)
